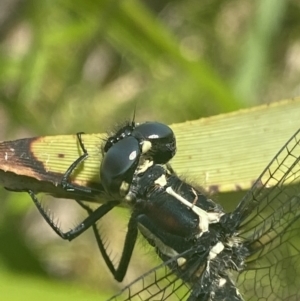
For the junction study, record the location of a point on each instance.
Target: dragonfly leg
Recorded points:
(65, 181)
(84, 225)
(129, 243)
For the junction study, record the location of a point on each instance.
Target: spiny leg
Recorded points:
(91, 220)
(129, 243)
(84, 225)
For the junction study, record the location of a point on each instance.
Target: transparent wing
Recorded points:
(159, 283)
(268, 191)
(270, 227)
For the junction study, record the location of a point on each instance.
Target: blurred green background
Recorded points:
(70, 66)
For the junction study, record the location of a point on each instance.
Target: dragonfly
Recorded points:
(207, 254)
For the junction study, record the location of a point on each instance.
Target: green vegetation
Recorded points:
(70, 66)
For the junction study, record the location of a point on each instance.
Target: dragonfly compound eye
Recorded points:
(119, 164)
(123, 132)
(162, 138)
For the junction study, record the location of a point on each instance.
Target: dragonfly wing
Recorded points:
(273, 269)
(159, 283)
(269, 193)
(270, 227)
